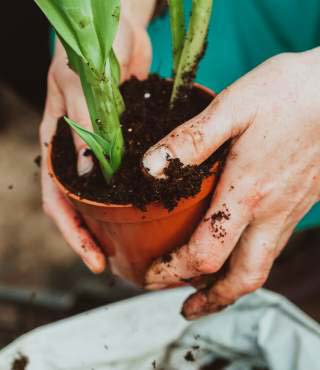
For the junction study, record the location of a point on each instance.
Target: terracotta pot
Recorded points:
(132, 238)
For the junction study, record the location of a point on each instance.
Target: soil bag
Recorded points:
(262, 330)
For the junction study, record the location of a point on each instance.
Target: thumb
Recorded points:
(194, 141)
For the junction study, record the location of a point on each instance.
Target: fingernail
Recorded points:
(156, 160)
(85, 162)
(193, 315)
(195, 306)
(88, 263)
(95, 264)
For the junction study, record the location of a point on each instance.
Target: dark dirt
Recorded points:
(37, 161)
(216, 220)
(166, 258)
(221, 364)
(160, 8)
(189, 356)
(20, 363)
(147, 119)
(218, 364)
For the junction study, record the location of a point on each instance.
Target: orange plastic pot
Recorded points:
(132, 238)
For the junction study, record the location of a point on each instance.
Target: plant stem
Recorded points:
(105, 106)
(177, 30)
(193, 47)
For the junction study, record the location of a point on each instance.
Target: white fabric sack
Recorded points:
(147, 332)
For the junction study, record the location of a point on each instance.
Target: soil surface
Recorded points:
(147, 119)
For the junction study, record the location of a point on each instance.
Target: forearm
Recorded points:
(138, 11)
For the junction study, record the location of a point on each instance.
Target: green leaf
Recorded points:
(87, 26)
(115, 67)
(178, 30)
(87, 29)
(117, 148)
(193, 46)
(97, 144)
(116, 71)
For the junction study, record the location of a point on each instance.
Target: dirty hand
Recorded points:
(270, 181)
(65, 97)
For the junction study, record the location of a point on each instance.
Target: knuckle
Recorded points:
(194, 138)
(253, 191)
(253, 283)
(204, 260)
(222, 296)
(285, 64)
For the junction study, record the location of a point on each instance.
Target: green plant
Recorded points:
(87, 29)
(178, 31)
(188, 48)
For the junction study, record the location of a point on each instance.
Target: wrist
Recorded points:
(138, 12)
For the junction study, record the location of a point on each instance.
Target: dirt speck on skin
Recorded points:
(87, 152)
(217, 220)
(233, 155)
(20, 363)
(166, 258)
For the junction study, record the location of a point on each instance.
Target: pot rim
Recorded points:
(89, 202)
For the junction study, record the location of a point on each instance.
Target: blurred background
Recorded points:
(41, 280)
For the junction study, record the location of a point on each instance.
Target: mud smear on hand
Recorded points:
(217, 220)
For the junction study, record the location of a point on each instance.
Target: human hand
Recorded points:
(65, 97)
(270, 181)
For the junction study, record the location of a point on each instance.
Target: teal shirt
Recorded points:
(243, 34)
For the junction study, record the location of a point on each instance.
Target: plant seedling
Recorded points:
(188, 48)
(87, 29)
